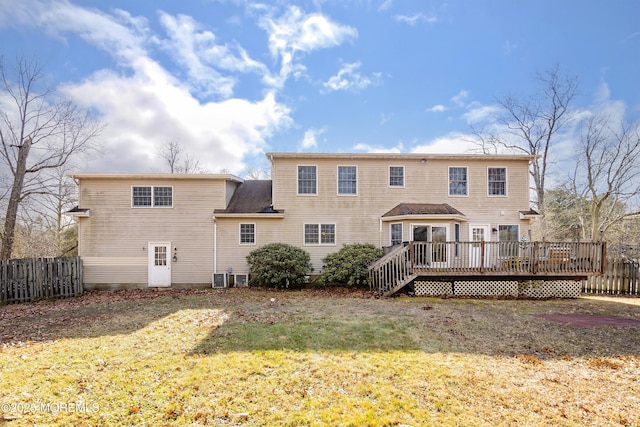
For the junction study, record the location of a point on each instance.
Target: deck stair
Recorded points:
(393, 271)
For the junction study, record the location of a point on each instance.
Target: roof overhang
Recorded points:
(530, 214)
(157, 176)
(421, 157)
(425, 217)
(423, 212)
(78, 213)
(275, 215)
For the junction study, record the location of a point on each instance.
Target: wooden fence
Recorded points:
(621, 276)
(26, 280)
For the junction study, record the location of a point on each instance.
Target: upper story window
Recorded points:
(307, 180)
(396, 176)
(497, 181)
(148, 196)
(247, 234)
(458, 181)
(162, 196)
(347, 180)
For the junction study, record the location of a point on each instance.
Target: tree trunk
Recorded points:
(14, 200)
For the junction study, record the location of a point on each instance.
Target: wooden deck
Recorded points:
(486, 261)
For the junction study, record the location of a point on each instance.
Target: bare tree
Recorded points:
(48, 211)
(177, 160)
(38, 132)
(530, 126)
(607, 172)
(257, 173)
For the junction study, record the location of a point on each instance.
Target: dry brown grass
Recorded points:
(314, 358)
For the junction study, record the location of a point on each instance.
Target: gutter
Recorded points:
(215, 245)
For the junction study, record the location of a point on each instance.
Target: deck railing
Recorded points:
(525, 259)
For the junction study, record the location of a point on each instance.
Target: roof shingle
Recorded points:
(252, 196)
(423, 209)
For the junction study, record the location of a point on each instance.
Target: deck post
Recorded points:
(533, 265)
(412, 256)
(482, 255)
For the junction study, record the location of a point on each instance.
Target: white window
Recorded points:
(247, 234)
(141, 196)
(457, 181)
(148, 196)
(347, 180)
(396, 233)
(319, 234)
(162, 196)
(396, 176)
(307, 180)
(497, 181)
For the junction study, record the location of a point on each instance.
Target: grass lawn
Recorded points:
(237, 357)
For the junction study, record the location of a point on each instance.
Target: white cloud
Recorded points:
(350, 79)
(509, 47)
(120, 34)
(385, 5)
(309, 140)
(453, 143)
(478, 113)
(145, 110)
(437, 109)
(416, 18)
(296, 32)
(143, 104)
(459, 99)
(604, 105)
(367, 148)
(199, 52)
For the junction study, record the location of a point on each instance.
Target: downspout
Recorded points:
(380, 233)
(215, 245)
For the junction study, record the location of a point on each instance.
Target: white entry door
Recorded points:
(478, 234)
(159, 264)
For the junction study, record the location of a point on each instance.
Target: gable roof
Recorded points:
(251, 197)
(424, 209)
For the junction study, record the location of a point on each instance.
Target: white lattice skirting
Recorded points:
(513, 288)
(551, 288)
(431, 287)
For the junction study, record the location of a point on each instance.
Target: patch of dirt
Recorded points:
(590, 321)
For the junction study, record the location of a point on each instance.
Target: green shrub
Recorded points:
(278, 265)
(349, 266)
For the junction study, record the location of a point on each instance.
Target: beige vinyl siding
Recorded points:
(233, 254)
(357, 218)
(114, 239)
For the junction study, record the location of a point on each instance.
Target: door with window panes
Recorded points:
(479, 234)
(159, 264)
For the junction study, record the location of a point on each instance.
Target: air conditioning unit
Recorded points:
(219, 280)
(241, 280)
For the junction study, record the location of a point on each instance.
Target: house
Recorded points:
(158, 230)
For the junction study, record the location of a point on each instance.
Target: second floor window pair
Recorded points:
(347, 180)
(496, 181)
(148, 196)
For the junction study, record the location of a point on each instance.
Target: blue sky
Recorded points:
(231, 80)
